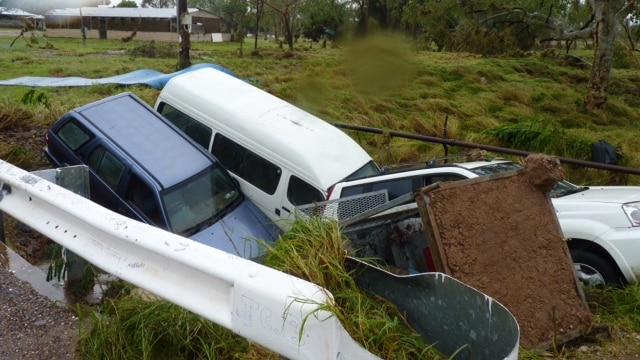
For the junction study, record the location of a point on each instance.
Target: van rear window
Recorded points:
(73, 135)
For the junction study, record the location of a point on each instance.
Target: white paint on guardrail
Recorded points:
(271, 308)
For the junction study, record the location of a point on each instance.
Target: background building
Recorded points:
(115, 23)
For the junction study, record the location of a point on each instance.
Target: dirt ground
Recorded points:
(32, 326)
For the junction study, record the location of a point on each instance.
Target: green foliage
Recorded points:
(131, 327)
(58, 267)
(624, 57)
(543, 136)
(315, 250)
(19, 155)
(618, 306)
(127, 4)
(318, 17)
(32, 97)
(13, 117)
(484, 40)
(153, 49)
(63, 264)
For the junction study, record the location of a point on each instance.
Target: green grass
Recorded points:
(530, 103)
(315, 251)
(132, 327)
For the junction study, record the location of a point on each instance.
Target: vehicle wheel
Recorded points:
(593, 270)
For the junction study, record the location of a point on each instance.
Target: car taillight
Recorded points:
(330, 191)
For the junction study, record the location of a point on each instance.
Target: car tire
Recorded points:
(593, 270)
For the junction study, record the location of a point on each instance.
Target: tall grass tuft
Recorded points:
(542, 135)
(618, 306)
(134, 328)
(315, 250)
(13, 117)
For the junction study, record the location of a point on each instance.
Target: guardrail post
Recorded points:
(271, 308)
(76, 179)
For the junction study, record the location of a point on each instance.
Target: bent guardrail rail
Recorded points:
(457, 319)
(271, 308)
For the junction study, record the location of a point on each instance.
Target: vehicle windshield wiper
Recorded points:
(573, 191)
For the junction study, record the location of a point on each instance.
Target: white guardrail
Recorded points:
(268, 307)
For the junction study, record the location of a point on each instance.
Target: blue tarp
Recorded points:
(148, 77)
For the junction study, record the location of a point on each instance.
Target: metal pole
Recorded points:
(2, 236)
(496, 149)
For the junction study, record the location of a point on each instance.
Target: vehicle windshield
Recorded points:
(370, 168)
(200, 201)
(562, 188)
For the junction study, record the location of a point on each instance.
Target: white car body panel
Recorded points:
(594, 214)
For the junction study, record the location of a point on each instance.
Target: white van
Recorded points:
(281, 155)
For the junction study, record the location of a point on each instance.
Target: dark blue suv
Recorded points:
(142, 167)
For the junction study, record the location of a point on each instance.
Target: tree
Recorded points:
(259, 11)
(184, 58)
(362, 8)
(287, 10)
(603, 25)
(127, 4)
(432, 22)
(158, 3)
(608, 16)
(320, 17)
(231, 12)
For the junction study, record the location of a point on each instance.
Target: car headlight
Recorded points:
(632, 210)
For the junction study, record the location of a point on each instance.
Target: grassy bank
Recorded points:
(530, 102)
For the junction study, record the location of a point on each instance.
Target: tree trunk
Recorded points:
(604, 42)
(184, 58)
(259, 8)
(609, 15)
(288, 28)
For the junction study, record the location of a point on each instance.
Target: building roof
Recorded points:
(157, 13)
(18, 12)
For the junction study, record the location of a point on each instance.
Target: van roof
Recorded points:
(140, 132)
(291, 135)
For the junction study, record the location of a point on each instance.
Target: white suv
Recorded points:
(602, 223)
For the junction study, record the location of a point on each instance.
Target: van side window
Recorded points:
(300, 192)
(106, 166)
(73, 135)
(141, 197)
(193, 128)
(254, 169)
(230, 154)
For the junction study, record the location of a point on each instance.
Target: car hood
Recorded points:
(240, 232)
(604, 194)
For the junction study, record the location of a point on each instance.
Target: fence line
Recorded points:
(496, 149)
